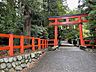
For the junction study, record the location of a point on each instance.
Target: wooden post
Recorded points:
(47, 43)
(22, 44)
(43, 43)
(11, 53)
(33, 46)
(81, 34)
(39, 44)
(56, 34)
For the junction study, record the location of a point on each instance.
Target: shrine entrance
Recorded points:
(68, 20)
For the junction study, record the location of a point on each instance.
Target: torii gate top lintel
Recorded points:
(77, 18)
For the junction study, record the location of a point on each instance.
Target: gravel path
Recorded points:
(68, 59)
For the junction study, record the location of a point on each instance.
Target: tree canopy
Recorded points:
(27, 16)
(89, 7)
(20, 16)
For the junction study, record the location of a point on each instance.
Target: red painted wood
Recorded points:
(33, 44)
(27, 46)
(4, 48)
(43, 43)
(39, 44)
(67, 22)
(16, 36)
(76, 20)
(11, 45)
(56, 35)
(5, 35)
(81, 35)
(22, 44)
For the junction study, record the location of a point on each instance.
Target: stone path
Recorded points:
(67, 59)
(64, 43)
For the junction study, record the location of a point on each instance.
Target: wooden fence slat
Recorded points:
(4, 48)
(39, 44)
(16, 46)
(27, 46)
(22, 44)
(33, 44)
(5, 35)
(11, 45)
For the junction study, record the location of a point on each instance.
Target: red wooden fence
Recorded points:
(88, 43)
(42, 43)
(51, 42)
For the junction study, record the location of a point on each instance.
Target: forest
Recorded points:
(30, 17)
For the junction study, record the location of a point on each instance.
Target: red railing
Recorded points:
(41, 43)
(87, 43)
(51, 42)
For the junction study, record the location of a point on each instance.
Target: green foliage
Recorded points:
(72, 33)
(12, 15)
(39, 31)
(51, 32)
(9, 21)
(91, 10)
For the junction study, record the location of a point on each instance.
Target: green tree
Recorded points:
(89, 7)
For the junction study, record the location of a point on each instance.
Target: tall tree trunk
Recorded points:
(27, 23)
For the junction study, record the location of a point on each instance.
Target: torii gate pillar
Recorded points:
(56, 36)
(81, 34)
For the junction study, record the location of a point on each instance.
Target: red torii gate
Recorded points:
(78, 19)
